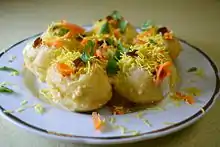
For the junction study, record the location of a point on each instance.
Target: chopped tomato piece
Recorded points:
(168, 36)
(117, 33)
(163, 72)
(84, 41)
(98, 53)
(64, 69)
(56, 43)
(97, 120)
(74, 29)
(189, 99)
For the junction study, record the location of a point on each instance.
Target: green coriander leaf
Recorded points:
(122, 25)
(146, 25)
(14, 73)
(115, 14)
(9, 69)
(59, 31)
(117, 55)
(91, 46)
(121, 48)
(21, 109)
(192, 69)
(5, 90)
(104, 28)
(88, 51)
(24, 102)
(62, 32)
(152, 41)
(109, 41)
(85, 57)
(3, 84)
(8, 111)
(112, 66)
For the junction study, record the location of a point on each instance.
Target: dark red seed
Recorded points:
(109, 18)
(162, 30)
(132, 53)
(78, 62)
(80, 37)
(37, 42)
(100, 42)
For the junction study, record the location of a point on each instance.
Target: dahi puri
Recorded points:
(169, 40)
(78, 66)
(144, 70)
(76, 86)
(117, 26)
(39, 53)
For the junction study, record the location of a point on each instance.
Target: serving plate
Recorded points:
(165, 118)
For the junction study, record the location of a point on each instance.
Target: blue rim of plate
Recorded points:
(176, 125)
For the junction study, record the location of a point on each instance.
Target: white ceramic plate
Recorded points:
(60, 124)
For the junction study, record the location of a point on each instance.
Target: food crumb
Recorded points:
(200, 73)
(112, 120)
(24, 102)
(192, 91)
(133, 132)
(146, 122)
(21, 109)
(8, 111)
(14, 73)
(168, 123)
(12, 58)
(122, 129)
(192, 69)
(39, 109)
(203, 111)
(139, 115)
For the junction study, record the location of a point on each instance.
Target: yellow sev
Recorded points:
(153, 56)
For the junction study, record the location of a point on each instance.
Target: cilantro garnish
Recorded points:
(104, 29)
(192, 69)
(39, 109)
(152, 41)
(109, 41)
(5, 89)
(112, 66)
(58, 31)
(62, 32)
(9, 69)
(116, 15)
(122, 25)
(146, 25)
(121, 48)
(88, 51)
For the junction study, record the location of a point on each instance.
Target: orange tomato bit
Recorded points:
(64, 69)
(74, 29)
(117, 33)
(96, 120)
(163, 72)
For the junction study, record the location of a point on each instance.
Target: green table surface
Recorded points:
(197, 21)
